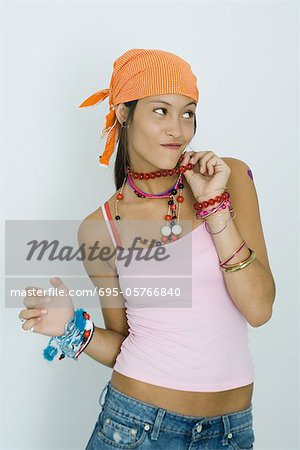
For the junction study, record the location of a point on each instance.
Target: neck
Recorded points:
(155, 185)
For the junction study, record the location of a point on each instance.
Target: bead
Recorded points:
(147, 176)
(189, 166)
(170, 202)
(88, 325)
(86, 333)
(61, 356)
(181, 185)
(157, 243)
(180, 199)
(211, 201)
(168, 217)
(152, 175)
(182, 169)
(135, 176)
(174, 191)
(164, 173)
(165, 230)
(205, 204)
(86, 316)
(170, 172)
(141, 176)
(177, 229)
(173, 207)
(176, 169)
(117, 217)
(174, 237)
(164, 239)
(218, 198)
(158, 174)
(120, 196)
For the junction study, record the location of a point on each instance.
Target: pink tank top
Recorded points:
(202, 347)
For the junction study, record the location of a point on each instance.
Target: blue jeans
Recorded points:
(127, 423)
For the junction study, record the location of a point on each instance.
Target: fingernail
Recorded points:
(44, 311)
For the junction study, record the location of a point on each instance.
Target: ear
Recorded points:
(121, 112)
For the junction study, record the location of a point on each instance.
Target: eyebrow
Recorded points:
(161, 101)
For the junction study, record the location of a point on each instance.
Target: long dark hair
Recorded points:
(122, 158)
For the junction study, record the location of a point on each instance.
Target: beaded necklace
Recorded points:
(172, 230)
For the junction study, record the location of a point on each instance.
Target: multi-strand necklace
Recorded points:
(172, 230)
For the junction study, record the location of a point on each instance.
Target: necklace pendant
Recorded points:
(176, 229)
(166, 230)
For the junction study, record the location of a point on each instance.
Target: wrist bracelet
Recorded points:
(78, 333)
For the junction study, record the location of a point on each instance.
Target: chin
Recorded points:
(168, 163)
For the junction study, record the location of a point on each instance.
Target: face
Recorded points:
(157, 120)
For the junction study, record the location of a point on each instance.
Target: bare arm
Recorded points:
(105, 344)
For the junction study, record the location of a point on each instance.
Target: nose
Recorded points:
(174, 128)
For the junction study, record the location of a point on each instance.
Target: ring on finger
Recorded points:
(30, 330)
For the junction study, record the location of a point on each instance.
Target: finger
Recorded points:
(33, 302)
(186, 157)
(30, 323)
(211, 163)
(33, 291)
(204, 160)
(32, 313)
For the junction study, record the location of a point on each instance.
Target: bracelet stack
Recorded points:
(202, 212)
(78, 333)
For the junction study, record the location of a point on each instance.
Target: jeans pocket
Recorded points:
(119, 431)
(243, 439)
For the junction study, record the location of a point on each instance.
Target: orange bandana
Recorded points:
(140, 73)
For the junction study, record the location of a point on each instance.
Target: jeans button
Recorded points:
(147, 427)
(199, 428)
(229, 436)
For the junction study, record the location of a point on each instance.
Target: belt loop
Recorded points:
(105, 387)
(157, 423)
(226, 424)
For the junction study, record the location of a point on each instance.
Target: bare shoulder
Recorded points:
(93, 229)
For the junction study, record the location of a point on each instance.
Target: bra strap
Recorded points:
(111, 226)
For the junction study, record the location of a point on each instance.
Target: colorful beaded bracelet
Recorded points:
(78, 333)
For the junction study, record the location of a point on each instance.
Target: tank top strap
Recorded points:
(110, 225)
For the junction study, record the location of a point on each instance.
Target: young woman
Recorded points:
(182, 375)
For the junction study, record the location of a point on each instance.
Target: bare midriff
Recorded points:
(205, 404)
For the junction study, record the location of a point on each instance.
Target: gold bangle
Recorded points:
(240, 266)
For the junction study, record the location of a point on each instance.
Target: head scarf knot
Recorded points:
(140, 73)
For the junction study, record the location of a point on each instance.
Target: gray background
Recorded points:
(56, 54)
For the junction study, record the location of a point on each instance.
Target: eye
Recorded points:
(191, 113)
(187, 112)
(162, 109)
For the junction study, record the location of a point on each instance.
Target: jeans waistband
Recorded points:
(146, 413)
